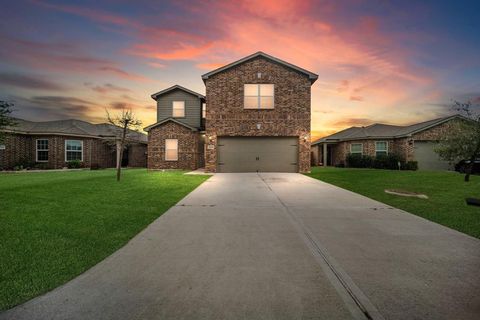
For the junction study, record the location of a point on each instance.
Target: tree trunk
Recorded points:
(120, 152)
(469, 169)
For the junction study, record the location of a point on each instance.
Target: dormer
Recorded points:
(181, 104)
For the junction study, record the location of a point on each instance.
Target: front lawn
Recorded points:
(56, 225)
(446, 191)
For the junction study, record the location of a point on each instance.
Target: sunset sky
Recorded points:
(378, 61)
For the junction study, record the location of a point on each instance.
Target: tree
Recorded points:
(126, 122)
(5, 119)
(462, 141)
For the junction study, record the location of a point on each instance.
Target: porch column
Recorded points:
(324, 153)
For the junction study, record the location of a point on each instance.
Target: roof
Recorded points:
(380, 130)
(73, 127)
(312, 76)
(176, 87)
(156, 124)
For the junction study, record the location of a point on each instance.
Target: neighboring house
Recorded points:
(255, 117)
(412, 143)
(51, 144)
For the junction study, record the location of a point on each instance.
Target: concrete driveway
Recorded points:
(276, 246)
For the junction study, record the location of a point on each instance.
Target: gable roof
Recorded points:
(176, 87)
(156, 124)
(312, 76)
(72, 127)
(379, 130)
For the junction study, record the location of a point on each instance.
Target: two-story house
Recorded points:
(255, 117)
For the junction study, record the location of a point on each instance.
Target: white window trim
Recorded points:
(351, 152)
(81, 141)
(204, 110)
(36, 150)
(259, 106)
(173, 109)
(386, 146)
(176, 158)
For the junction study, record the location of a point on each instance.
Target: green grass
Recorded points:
(446, 191)
(56, 225)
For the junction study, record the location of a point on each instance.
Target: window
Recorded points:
(42, 150)
(356, 148)
(381, 148)
(178, 109)
(171, 149)
(73, 150)
(204, 110)
(258, 96)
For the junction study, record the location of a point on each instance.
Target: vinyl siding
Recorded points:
(193, 107)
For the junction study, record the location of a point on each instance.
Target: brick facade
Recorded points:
(404, 146)
(226, 115)
(21, 150)
(190, 151)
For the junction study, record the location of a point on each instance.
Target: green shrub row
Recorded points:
(391, 161)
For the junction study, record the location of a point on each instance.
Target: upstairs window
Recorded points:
(178, 109)
(204, 110)
(258, 96)
(356, 148)
(73, 150)
(42, 150)
(171, 149)
(381, 148)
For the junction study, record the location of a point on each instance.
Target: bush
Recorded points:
(389, 161)
(23, 163)
(42, 166)
(74, 164)
(94, 166)
(410, 165)
(359, 161)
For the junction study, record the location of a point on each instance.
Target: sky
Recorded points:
(396, 62)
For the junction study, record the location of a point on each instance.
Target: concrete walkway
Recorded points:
(276, 246)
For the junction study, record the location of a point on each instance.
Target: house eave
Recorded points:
(311, 76)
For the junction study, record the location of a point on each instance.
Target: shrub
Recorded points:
(41, 166)
(359, 161)
(24, 163)
(389, 161)
(74, 164)
(94, 166)
(410, 165)
(340, 165)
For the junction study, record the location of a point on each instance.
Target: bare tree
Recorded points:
(6, 119)
(126, 122)
(462, 141)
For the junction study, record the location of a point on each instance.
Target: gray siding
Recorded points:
(193, 107)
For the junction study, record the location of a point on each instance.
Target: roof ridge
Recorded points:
(312, 76)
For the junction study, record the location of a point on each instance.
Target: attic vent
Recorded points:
(259, 75)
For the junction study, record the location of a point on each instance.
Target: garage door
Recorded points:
(427, 158)
(257, 154)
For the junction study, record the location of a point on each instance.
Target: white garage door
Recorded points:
(427, 158)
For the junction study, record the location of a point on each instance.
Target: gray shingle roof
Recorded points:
(73, 127)
(380, 130)
(176, 87)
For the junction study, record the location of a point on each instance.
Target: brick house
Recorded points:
(412, 143)
(52, 144)
(255, 116)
